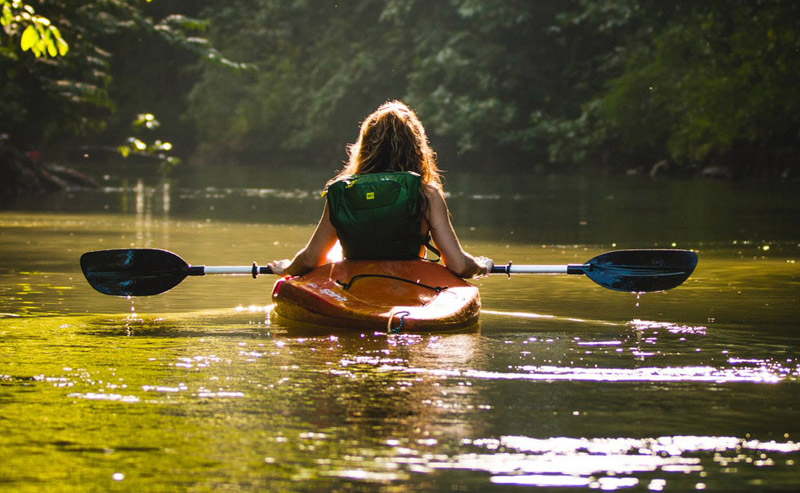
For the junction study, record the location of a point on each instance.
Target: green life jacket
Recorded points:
(377, 215)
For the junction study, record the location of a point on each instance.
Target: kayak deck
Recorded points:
(401, 295)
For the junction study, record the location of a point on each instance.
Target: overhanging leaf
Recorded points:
(63, 47)
(29, 38)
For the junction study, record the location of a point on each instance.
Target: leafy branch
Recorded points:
(157, 148)
(39, 35)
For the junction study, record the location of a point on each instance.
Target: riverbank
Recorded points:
(25, 173)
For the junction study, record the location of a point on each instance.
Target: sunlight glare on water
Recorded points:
(604, 463)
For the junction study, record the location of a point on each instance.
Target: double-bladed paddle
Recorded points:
(145, 271)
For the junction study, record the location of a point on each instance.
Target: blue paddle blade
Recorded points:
(640, 270)
(134, 271)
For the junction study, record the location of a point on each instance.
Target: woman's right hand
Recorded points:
(279, 267)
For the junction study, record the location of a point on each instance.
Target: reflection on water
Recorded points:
(565, 385)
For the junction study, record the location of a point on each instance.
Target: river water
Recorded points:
(565, 385)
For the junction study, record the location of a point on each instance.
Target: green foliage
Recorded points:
(157, 148)
(473, 70)
(557, 84)
(38, 34)
(316, 77)
(705, 83)
(46, 99)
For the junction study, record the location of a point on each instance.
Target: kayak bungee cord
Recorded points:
(346, 285)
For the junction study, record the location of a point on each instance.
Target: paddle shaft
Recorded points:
(539, 269)
(202, 270)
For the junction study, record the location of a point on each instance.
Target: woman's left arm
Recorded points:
(444, 236)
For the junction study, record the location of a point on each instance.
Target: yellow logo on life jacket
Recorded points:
(370, 195)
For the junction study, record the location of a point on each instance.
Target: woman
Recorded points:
(387, 201)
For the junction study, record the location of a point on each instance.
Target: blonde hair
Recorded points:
(393, 139)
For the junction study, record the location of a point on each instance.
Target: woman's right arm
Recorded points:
(314, 253)
(444, 236)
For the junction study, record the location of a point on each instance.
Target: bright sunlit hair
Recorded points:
(393, 139)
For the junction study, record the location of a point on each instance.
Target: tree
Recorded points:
(472, 69)
(551, 84)
(321, 67)
(696, 83)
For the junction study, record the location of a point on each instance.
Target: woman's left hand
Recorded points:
(485, 264)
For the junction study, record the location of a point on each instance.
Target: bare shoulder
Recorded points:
(437, 213)
(433, 193)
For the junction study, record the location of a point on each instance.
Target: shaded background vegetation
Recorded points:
(513, 85)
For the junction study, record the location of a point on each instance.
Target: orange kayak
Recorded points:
(394, 296)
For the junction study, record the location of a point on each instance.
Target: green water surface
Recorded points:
(565, 385)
